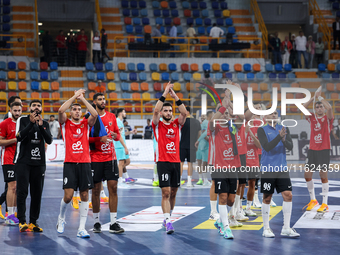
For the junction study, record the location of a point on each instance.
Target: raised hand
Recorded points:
(283, 132)
(113, 135)
(173, 94)
(225, 102)
(79, 92)
(40, 120)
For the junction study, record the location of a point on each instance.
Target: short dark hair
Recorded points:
(209, 112)
(103, 30)
(188, 109)
(95, 96)
(148, 120)
(52, 116)
(12, 99)
(61, 31)
(82, 29)
(15, 104)
(75, 104)
(119, 110)
(214, 25)
(35, 101)
(318, 102)
(166, 104)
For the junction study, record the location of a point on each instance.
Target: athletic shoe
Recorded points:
(104, 200)
(290, 232)
(256, 201)
(6, 214)
(123, 185)
(90, 206)
(155, 183)
(12, 220)
(116, 228)
(75, 203)
(241, 217)
(250, 213)
(97, 228)
(311, 205)
(227, 234)
(83, 234)
(200, 182)
(233, 223)
(1, 215)
(323, 208)
(214, 216)
(130, 180)
(34, 228)
(23, 227)
(243, 199)
(268, 233)
(60, 225)
(206, 183)
(272, 203)
(190, 185)
(169, 228)
(104, 183)
(182, 182)
(164, 224)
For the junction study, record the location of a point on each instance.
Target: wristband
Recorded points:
(320, 98)
(162, 99)
(179, 102)
(222, 110)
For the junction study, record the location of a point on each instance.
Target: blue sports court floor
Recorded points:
(140, 215)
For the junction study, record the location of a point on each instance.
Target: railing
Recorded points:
(16, 44)
(320, 20)
(254, 8)
(120, 45)
(99, 18)
(36, 30)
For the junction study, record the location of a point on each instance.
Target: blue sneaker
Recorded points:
(83, 234)
(169, 228)
(164, 224)
(130, 180)
(217, 225)
(228, 234)
(12, 220)
(221, 230)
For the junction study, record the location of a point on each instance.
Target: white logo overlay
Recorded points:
(171, 146)
(65, 180)
(35, 152)
(77, 146)
(318, 138)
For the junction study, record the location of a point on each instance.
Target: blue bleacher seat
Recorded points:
(54, 66)
(187, 76)
(219, 22)
(250, 76)
(145, 21)
(225, 67)
(214, 5)
(158, 94)
(135, 12)
(206, 66)
(2, 65)
(157, 13)
(224, 30)
(196, 13)
(100, 76)
(204, 48)
(2, 75)
(181, 40)
(142, 76)
(224, 5)
(179, 30)
(125, 4)
(291, 76)
(288, 67)
(44, 75)
(194, 5)
(269, 67)
(241, 76)
(136, 21)
(272, 76)
(337, 13)
(322, 67)
(229, 22)
(133, 77)
(131, 67)
(218, 76)
(34, 85)
(205, 13)
(153, 67)
(174, 13)
(126, 12)
(126, 95)
(285, 85)
(203, 5)
(207, 22)
(166, 12)
(235, 40)
(259, 76)
(99, 66)
(140, 67)
(6, 19)
(123, 76)
(208, 30)
(335, 76)
(125, 86)
(217, 13)
(229, 75)
(91, 76)
(89, 66)
(336, 6)
(326, 76)
(133, 4)
(167, 21)
(174, 76)
(12, 65)
(278, 67)
(155, 4)
(190, 21)
(337, 67)
(129, 29)
(282, 76)
(159, 21)
(168, 29)
(142, 4)
(199, 22)
(165, 76)
(185, 5)
(140, 38)
(201, 30)
(54, 75)
(231, 30)
(172, 67)
(108, 66)
(34, 65)
(139, 30)
(144, 12)
(247, 67)
(172, 5)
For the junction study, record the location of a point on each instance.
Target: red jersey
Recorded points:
(82, 46)
(252, 157)
(7, 131)
(241, 140)
(167, 136)
(257, 123)
(76, 141)
(224, 156)
(320, 132)
(62, 39)
(211, 153)
(106, 151)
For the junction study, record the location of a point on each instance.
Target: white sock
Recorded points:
(76, 193)
(325, 189)
(310, 187)
(265, 215)
(167, 217)
(205, 180)
(120, 180)
(102, 193)
(287, 212)
(113, 217)
(189, 179)
(248, 204)
(83, 211)
(256, 196)
(10, 210)
(63, 207)
(232, 211)
(15, 209)
(155, 177)
(96, 217)
(213, 206)
(171, 212)
(126, 175)
(237, 203)
(224, 215)
(200, 176)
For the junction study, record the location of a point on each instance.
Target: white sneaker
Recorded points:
(272, 203)
(233, 223)
(290, 232)
(268, 233)
(250, 213)
(82, 233)
(214, 216)
(207, 183)
(241, 211)
(241, 217)
(123, 185)
(104, 183)
(256, 201)
(190, 185)
(60, 225)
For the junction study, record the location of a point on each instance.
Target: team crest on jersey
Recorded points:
(82, 125)
(175, 125)
(110, 123)
(322, 120)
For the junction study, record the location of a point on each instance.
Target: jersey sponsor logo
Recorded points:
(239, 139)
(171, 146)
(35, 152)
(105, 146)
(65, 180)
(77, 146)
(251, 153)
(317, 127)
(79, 133)
(228, 153)
(318, 138)
(171, 131)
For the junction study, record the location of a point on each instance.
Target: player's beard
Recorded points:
(167, 119)
(37, 111)
(100, 107)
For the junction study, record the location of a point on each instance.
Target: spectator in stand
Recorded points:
(192, 33)
(127, 128)
(319, 48)
(96, 47)
(301, 43)
(293, 53)
(286, 48)
(336, 32)
(47, 42)
(100, 88)
(72, 50)
(336, 131)
(54, 127)
(310, 51)
(148, 130)
(275, 45)
(156, 33)
(173, 33)
(104, 45)
(61, 48)
(215, 32)
(82, 48)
